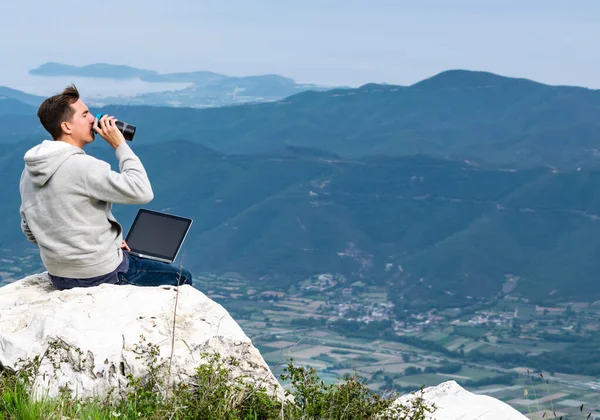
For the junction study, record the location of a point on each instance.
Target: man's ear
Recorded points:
(66, 127)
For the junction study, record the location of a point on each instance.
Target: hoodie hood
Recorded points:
(42, 161)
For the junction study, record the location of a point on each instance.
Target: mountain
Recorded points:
(458, 115)
(493, 119)
(433, 232)
(33, 100)
(114, 71)
(444, 191)
(14, 102)
(11, 107)
(205, 88)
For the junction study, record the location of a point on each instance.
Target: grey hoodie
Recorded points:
(66, 201)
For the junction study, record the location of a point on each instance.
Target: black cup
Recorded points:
(128, 130)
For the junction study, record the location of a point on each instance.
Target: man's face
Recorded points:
(81, 123)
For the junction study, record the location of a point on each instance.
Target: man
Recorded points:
(67, 196)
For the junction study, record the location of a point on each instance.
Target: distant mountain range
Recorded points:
(32, 100)
(113, 71)
(206, 89)
(433, 232)
(464, 186)
(458, 115)
(15, 102)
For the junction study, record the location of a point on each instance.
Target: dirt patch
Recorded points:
(281, 344)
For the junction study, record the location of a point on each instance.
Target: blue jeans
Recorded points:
(145, 272)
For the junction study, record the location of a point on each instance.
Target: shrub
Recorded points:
(211, 393)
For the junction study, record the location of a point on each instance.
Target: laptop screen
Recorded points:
(157, 234)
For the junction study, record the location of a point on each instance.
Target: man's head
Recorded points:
(67, 118)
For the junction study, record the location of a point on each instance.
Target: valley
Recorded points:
(536, 358)
(349, 329)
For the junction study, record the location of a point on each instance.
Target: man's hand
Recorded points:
(125, 246)
(108, 131)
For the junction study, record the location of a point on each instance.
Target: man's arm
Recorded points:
(130, 186)
(25, 228)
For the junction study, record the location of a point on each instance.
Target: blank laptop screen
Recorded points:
(157, 234)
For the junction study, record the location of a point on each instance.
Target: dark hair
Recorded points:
(56, 109)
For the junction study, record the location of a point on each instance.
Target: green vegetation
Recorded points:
(461, 231)
(579, 358)
(210, 394)
(471, 332)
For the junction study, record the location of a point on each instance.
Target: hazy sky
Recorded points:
(341, 42)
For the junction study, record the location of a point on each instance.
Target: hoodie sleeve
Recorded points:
(25, 228)
(130, 186)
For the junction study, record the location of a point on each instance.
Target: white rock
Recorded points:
(453, 402)
(106, 323)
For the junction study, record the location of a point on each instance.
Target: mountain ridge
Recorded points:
(513, 123)
(200, 88)
(459, 228)
(117, 71)
(458, 115)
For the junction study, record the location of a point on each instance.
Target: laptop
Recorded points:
(157, 236)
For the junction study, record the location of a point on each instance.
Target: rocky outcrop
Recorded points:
(453, 402)
(91, 339)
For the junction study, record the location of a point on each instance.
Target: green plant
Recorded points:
(348, 399)
(213, 392)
